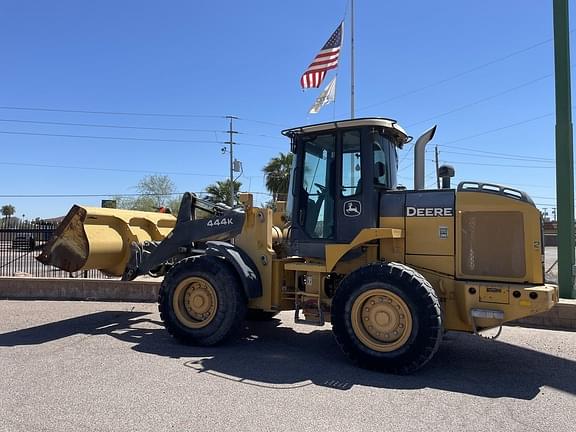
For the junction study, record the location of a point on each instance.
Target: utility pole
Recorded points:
(437, 167)
(231, 132)
(352, 59)
(564, 150)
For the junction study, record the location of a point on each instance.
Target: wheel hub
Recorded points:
(381, 320)
(195, 302)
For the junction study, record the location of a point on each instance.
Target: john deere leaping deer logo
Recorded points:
(352, 208)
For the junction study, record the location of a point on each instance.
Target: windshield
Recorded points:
(317, 185)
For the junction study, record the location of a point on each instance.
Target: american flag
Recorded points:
(325, 60)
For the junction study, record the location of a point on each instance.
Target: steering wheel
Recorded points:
(322, 188)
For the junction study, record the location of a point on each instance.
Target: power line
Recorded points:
(409, 148)
(108, 126)
(37, 165)
(137, 114)
(530, 185)
(496, 153)
(95, 125)
(502, 165)
(489, 155)
(484, 99)
(459, 74)
(263, 136)
(110, 137)
(182, 115)
(505, 183)
(112, 112)
(263, 122)
(499, 128)
(541, 197)
(131, 138)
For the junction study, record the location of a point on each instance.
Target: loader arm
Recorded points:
(224, 225)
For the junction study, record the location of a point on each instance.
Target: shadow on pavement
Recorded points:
(267, 355)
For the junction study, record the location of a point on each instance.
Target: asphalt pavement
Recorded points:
(91, 366)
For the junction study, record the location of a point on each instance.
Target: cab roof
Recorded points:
(393, 127)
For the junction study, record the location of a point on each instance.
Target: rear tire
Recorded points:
(386, 316)
(201, 301)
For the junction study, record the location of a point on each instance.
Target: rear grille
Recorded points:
(493, 244)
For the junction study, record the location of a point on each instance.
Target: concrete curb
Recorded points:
(561, 317)
(78, 289)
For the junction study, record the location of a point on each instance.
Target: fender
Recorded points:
(336, 251)
(243, 264)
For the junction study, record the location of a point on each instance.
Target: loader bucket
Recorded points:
(99, 238)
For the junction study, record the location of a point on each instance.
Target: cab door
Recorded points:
(356, 196)
(313, 222)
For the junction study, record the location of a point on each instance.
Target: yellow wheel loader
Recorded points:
(392, 269)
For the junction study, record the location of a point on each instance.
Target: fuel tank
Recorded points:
(100, 238)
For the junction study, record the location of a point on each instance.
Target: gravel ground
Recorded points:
(112, 367)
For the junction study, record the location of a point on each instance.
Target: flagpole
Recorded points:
(352, 59)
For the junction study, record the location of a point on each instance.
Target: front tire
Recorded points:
(201, 301)
(386, 316)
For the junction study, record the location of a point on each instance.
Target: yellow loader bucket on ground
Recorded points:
(100, 238)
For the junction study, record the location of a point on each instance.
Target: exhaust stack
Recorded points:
(419, 157)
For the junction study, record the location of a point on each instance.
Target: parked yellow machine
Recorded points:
(390, 268)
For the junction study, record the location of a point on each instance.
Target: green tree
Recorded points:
(277, 175)
(155, 191)
(219, 192)
(8, 210)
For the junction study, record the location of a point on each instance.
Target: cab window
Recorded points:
(351, 163)
(384, 151)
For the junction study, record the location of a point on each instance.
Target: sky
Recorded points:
(96, 95)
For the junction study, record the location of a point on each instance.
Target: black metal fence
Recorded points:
(20, 244)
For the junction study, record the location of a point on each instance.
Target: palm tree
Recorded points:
(219, 192)
(277, 175)
(8, 210)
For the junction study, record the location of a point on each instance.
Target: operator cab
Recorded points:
(339, 170)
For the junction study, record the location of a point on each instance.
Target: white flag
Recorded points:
(328, 95)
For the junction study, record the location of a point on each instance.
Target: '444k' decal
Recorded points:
(218, 222)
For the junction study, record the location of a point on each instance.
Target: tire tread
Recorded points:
(418, 290)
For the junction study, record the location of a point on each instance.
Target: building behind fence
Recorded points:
(20, 244)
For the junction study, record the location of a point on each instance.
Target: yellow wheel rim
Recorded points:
(195, 302)
(381, 320)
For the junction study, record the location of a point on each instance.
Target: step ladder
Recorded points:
(300, 298)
